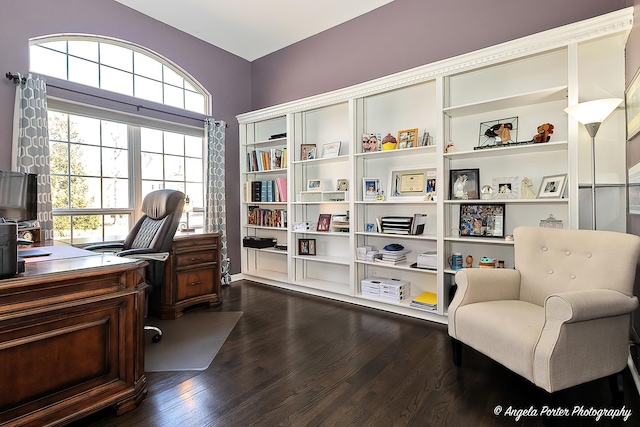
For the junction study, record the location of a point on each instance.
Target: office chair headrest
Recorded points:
(161, 203)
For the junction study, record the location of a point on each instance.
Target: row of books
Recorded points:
(274, 190)
(267, 217)
(402, 224)
(264, 160)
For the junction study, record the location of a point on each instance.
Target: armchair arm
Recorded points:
(578, 306)
(485, 284)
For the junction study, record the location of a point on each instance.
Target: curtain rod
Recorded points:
(17, 78)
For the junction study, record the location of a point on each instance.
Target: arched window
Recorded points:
(119, 67)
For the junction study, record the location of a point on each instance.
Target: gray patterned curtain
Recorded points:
(31, 144)
(215, 213)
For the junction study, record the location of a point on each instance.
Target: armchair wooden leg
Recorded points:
(617, 392)
(456, 347)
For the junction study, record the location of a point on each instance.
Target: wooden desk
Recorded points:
(71, 338)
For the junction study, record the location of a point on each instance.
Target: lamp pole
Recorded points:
(592, 129)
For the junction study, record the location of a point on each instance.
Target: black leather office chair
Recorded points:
(151, 239)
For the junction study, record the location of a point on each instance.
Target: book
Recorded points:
(282, 188)
(426, 298)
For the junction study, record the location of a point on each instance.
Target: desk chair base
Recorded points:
(158, 336)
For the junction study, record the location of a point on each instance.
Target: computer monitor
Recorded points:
(18, 196)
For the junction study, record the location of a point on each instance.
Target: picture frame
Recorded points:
(371, 142)
(552, 186)
(496, 133)
(408, 138)
(342, 184)
(482, 220)
(632, 106)
(369, 227)
(410, 184)
(506, 188)
(324, 222)
(464, 184)
(307, 151)
(306, 247)
(370, 188)
(331, 149)
(314, 184)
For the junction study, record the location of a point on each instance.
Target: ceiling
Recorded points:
(253, 28)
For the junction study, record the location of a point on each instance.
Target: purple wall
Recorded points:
(226, 76)
(402, 35)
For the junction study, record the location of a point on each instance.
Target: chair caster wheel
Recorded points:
(156, 338)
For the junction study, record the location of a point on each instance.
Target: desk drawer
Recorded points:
(195, 283)
(195, 242)
(196, 258)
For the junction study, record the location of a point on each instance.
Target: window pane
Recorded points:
(60, 192)
(189, 86)
(84, 49)
(86, 228)
(84, 72)
(84, 129)
(195, 193)
(62, 228)
(60, 46)
(59, 157)
(194, 169)
(146, 66)
(173, 96)
(114, 135)
(193, 146)
(149, 186)
(116, 56)
(85, 160)
(174, 168)
(115, 162)
(152, 166)
(58, 125)
(85, 192)
(116, 80)
(48, 62)
(173, 185)
(172, 77)
(173, 143)
(194, 102)
(148, 89)
(151, 140)
(116, 227)
(115, 193)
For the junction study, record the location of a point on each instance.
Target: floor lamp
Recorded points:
(591, 114)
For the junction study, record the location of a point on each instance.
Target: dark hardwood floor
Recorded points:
(298, 360)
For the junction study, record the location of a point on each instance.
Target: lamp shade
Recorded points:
(188, 208)
(593, 111)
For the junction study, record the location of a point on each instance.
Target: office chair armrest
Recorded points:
(144, 253)
(105, 247)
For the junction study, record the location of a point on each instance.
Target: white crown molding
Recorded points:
(620, 21)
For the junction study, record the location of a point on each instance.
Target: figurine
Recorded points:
(527, 192)
(450, 148)
(544, 133)
(469, 261)
(389, 142)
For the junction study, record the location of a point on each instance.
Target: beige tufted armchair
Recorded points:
(570, 292)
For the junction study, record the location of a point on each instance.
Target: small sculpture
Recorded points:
(450, 148)
(527, 192)
(501, 132)
(389, 142)
(469, 261)
(544, 133)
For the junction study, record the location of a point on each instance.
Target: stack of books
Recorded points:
(425, 301)
(392, 257)
(428, 260)
(385, 289)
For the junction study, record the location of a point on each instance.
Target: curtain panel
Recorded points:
(215, 211)
(30, 151)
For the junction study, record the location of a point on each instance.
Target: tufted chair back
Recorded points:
(552, 261)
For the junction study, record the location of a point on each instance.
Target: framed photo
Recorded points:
(464, 184)
(369, 227)
(506, 188)
(307, 151)
(314, 184)
(482, 220)
(324, 222)
(409, 184)
(343, 185)
(331, 149)
(371, 142)
(632, 106)
(370, 188)
(408, 138)
(498, 132)
(306, 246)
(552, 187)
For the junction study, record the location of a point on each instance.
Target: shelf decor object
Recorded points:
(410, 184)
(498, 133)
(308, 152)
(306, 246)
(482, 220)
(464, 184)
(506, 188)
(591, 114)
(552, 187)
(370, 188)
(408, 138)
(331, 149)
